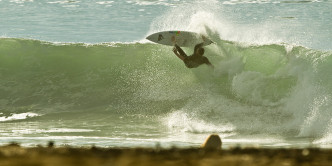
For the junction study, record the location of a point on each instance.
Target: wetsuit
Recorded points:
(194, 60)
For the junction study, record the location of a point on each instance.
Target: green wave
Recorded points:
(148, 76)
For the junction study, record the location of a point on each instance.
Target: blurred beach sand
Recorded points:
(15, 155)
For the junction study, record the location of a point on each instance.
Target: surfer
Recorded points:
(195, 59)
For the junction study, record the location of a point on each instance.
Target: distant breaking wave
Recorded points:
(19, 116)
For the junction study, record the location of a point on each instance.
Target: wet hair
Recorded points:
(201, 51)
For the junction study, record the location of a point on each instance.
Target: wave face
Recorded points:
(277, 90)
(83, 76)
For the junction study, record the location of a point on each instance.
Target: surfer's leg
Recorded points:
(200, 45)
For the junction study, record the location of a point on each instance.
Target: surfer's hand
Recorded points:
(175, 50)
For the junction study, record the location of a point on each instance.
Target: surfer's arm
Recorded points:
(179, 49)
(175, 50)
(208, 63)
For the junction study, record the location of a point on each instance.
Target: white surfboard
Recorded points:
(181, 38)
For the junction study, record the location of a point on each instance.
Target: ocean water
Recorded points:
(81, 73)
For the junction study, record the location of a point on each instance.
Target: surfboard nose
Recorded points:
(150, 37)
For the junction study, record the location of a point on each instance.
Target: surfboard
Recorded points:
(181, 38)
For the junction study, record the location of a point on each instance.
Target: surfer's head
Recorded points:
(200, 51)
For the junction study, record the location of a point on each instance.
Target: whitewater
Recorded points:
(81, 73)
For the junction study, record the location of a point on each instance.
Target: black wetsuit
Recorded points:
(194, 60)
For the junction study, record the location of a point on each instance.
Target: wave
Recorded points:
(276, 89)
(19, 116)
(82, 75)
